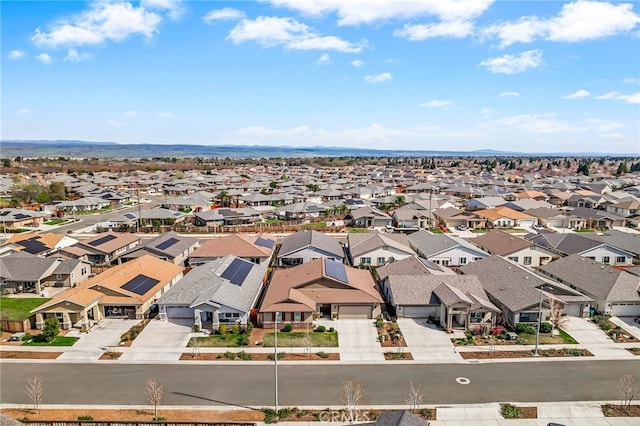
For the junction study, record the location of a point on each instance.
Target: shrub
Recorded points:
(159, 419)
(496, 331)
(85, 418)
(51, 329)
(331, 329)
(272, 357)
(26, 337)
(245, 356)
(287, 328)
(222, 329)
(575, 352)
(379, 322)
(235, 329)
(469, 334)
(248, 328)
(509, 411)
(322, 354)
(269, 415)
(321, 329)
(196, 328)
(230, 355)
(243, 340)
(546, 327)
(526, 329)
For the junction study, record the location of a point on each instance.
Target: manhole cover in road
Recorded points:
(463, 380)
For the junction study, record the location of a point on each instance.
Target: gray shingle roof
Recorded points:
(19, 266)
(364, 243)
(413, 265)
(306, 238)
(428, 244)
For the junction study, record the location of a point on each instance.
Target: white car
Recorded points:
(461, 228)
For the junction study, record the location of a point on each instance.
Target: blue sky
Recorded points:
(537, 76)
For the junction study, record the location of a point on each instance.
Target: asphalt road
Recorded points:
(245, 385)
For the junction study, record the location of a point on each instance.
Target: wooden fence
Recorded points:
(15, 326)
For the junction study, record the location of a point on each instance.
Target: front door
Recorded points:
(325, 309)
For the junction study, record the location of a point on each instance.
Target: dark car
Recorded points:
(637, 319)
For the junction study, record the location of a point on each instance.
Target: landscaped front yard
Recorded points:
(296, 339)
(230, 340)
(526, 336)
(19, 309)
(57, 341)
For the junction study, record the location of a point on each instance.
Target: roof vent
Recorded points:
(526, 277)
(501, 288)
(601, 266)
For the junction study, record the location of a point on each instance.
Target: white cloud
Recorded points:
(164, 114)
(74, 56)
(436, 103)
(577, 94)
(226, 14)
(114, 123)
(578, 21)
(15, 54)
(103, 22)
(173, 7)
(633, 98)
(508, 94)
(357, 63)
(631, 80)
(44, 58)
(418, 32)
(539, 123)
(24, 111)
(292, 34)
(512, 64)
(604, 125)
(357, 12)
(130, 113)
(324, 59)
(378, 78)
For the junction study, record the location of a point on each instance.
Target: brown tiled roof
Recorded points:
(499, 242)
(120, 240)
(48, 239)
(499, 212)
(233, 244)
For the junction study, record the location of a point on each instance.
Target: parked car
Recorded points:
(637, 319)
(538, 227)
(461, 228)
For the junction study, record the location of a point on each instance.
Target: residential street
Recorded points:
(304, 385)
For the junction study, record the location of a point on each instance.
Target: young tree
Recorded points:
(628, 389)
(35, 390)
(352, 394)
(555, 312)
(51, 329)
(155, 393)
(414, 397)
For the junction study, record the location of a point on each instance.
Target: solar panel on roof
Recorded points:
(130, 216)
(140, 284)
(102, 240)
(33, 245)
(5, 213)
(166, 244)
(21, 216)
(177, 214)
(264, 242)
(336, 270)
(237, 271)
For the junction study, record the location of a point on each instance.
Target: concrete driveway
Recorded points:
(585, 332)
(628, 324)
(160, 341)
(357, 339)
(426, 342)
(92, 344)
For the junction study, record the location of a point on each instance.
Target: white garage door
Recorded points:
(354, 312)
(416, 312)
(625, 309)
(572, 309)
(179, 312)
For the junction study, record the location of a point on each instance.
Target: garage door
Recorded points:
(416, 312)
(179, 312)
(625, 309)
(354, 311)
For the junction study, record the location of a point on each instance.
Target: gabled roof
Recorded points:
(234, 244)
(499, 242)
(367, 211)
(35, 243)
(412, 265)
(569, 243)
(360, 244)
(310, 238)
(107, 242)
(168, 244)
(23, 266)
(428, 244)
(500, 212)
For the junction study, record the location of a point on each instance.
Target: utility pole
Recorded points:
(275, 358)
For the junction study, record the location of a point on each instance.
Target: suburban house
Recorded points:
(413, 265)
(406, 217)
(367, 217)
(619, 239)
(504, 217)
(515, 290)
(299, 211)
(377, 249)
(514, 248)
(625, 208)
(452, 217)
(254, 248)
(456, 301)
(444, 249)
(160, 216)
(306, 245)
(221, 291)
(21, 272)
(41, 244)
(566, 244)
(320, 288)
(170, 246)
(103, 249)
(11, 218)
(123, 291)
(614, 291)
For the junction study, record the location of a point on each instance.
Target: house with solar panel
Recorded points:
(254, 248)
(170, 246)
(102, 249)
(217, 292)
(161, 216)
(41, 244)
(20, 218)
(321, 288)
(307, 245)
(125, 291)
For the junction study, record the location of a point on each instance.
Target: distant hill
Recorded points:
(87, 149)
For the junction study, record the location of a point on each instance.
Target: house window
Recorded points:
(620, 259)
(381, 261)
(385, 247)
(463, 260)
(525, 316)
(477, 258)
(513, 258)
(365, 260)
(606, 259)
(297, 317)
(59, 316)
(527, 260)
(591, 257)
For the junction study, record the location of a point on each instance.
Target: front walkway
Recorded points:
(426, 342)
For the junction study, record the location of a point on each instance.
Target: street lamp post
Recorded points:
(275, 358)
(535, 351)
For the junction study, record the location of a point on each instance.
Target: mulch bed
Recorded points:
(29, 355)
(635, 351)
(218, 356)
(520, 354)
(110, 355)
(398, 356)
(138, 415)
(529, 412)
(387, 331)
(611, 410)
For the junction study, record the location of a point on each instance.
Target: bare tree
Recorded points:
(155, 393)
(35, 390)
(556, 309)
(414, 397)
(628, 389)
(352, 394)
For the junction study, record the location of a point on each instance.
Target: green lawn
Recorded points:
(18, 309)
(546, 339)
(584, 230)
(358, 231)
(58, 341)
(315, 225)
(54, 222)
(295, 339)
(216, 341)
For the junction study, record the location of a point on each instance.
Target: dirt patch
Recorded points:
(257, 335)
(398, 356)
(29, 355)
(140, 415)
(611, 410)
(525, 354)
(221, 356)
(110, 355)
(635, 351)
(528, 412)
(390, 335)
